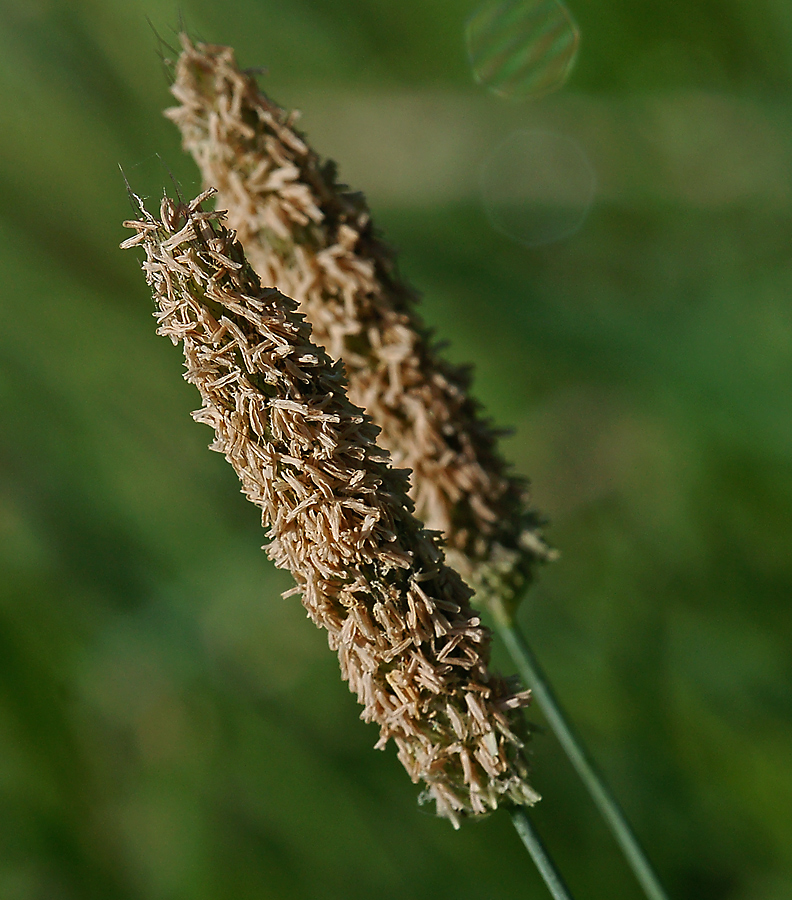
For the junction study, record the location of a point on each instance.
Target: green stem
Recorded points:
(552, 877)
(536, 680)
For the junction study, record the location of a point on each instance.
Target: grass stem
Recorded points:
(548, 871)
(537, 681)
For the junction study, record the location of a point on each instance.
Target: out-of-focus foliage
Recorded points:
(171, 728)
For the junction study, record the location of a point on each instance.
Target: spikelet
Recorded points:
(339, 517)
(313, 239)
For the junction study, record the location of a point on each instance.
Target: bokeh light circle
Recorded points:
(537, 187)
(521, 49)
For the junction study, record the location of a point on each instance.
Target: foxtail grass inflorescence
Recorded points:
(408, 641)
(339, 518)
(313, 239)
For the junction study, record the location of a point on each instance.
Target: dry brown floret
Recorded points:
(339, 518)
(311, 238)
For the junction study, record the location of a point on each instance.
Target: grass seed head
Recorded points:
(313, 239)
(339, 518)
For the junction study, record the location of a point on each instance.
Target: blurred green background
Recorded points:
(169, 727)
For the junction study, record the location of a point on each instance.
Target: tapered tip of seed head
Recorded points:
(196, 65)
(174, 215)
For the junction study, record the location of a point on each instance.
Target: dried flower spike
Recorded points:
(313, 239)
(409, 644)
